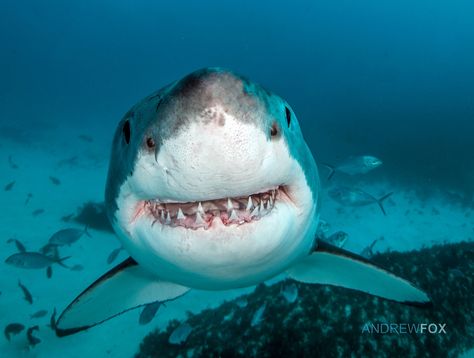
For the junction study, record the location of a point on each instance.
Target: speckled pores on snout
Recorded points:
(211, 184)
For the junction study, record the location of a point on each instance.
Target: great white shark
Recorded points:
(211, 186)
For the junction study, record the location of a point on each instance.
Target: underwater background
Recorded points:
(393, 79)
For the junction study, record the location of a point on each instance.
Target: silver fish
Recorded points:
(338, 239)
(67, 236)
(9, 186)
(49, 272)
(13, 328)
(32, 340)
(113, 255)
(55, 180)
(149, 312)
(28, 297)
(180, 334)
(33, 260)
(356, 197)
(290, 292)
(28, 198)
(39, 314)
(258, 315)
(37, 212)
(354, 165)
(77, 267)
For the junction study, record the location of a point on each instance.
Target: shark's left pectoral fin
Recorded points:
(123, 288)
(329, 265)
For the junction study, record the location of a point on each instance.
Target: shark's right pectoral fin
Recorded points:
(123, 288)
(329, 265)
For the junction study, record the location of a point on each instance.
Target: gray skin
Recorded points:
(164, 113)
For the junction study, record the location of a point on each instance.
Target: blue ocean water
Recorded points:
(389, 79)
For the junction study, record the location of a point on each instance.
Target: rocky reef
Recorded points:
(331, 322)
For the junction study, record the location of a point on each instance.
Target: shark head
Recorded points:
(211, 184)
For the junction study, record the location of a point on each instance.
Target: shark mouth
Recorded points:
(230, 211)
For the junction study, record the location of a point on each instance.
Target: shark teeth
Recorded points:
(233, 216)
(199, 219)
(254, 212)
(200, 214)
(249, 204)
(200, 209)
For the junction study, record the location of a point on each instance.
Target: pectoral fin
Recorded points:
(123, 288)
(329, 265)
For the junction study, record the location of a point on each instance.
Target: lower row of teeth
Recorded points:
(203, 219)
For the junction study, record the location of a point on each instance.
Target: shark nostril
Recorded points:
(274, 131)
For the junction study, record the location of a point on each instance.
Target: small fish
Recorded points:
(77, 267)
(258, 315)
(149, 312)
(361, 164)
(55, 180)
(33, 260)
(39, 314)
(12, 163)
(52, 320)
(86, 138)
(70, 162)
(37, 212)
(113, 255)
(323, 228)
(242, 302)
(67, 218)
(32, 340)
(67, 236)
(9, 186)
(180, 334)
(368, 252)
(338, 239)
(28, 198)
(49, 272)
(20, 247)
(13, 328)
(28, 297)
(356, 197)
(290, 292)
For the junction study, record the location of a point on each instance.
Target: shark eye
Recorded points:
(150, 143)
(126, 131)
(288, 115)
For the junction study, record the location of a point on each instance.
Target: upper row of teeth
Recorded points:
(254, 210)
